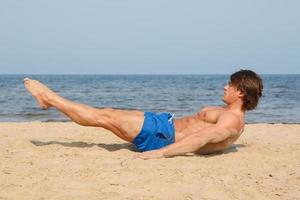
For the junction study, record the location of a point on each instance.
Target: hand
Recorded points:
(155, 154)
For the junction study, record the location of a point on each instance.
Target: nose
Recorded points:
(226, 87)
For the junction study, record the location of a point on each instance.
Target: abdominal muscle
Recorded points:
(185, 127)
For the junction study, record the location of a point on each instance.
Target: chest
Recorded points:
(210, 116)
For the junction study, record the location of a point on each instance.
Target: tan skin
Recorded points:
(209, 130)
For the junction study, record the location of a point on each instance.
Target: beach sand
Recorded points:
(68, 161)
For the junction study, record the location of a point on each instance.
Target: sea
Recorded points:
(179, 94)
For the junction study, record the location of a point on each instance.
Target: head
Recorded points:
(245, 86)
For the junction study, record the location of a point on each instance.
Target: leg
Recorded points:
(125, 124)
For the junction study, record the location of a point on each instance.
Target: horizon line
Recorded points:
(136, 74)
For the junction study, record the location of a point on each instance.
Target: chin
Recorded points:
(225, 101)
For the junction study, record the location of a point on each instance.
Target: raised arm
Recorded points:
(222, 130)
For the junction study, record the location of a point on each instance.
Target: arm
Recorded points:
(219, 132)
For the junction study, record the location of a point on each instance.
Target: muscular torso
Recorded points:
(203, 119)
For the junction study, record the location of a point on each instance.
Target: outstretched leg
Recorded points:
(123, 123)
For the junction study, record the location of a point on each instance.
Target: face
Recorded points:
(231, 94)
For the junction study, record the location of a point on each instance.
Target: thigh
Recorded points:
(128, 122)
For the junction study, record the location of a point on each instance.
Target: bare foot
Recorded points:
(40, 92)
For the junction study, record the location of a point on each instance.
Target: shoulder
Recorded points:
(230, 120)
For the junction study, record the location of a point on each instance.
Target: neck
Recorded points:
(235, 107)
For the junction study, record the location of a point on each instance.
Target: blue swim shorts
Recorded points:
(157, 132)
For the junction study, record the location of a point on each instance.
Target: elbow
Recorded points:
(197, 143)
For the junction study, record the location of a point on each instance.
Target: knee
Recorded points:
(105, 116)
(107, 112)
(107, 109)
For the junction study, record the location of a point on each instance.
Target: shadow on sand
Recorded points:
(232, 149)
(108, 147)
(115, 147)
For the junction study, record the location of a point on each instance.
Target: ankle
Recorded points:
(48, 99)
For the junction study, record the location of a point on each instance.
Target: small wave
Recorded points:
(56, 120)
(34, 114)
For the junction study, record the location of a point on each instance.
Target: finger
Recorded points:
(137, 155)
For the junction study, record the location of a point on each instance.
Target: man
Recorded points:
(212, 129)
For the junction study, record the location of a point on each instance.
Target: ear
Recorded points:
(240, 94)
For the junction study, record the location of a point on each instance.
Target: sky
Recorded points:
(149, 37)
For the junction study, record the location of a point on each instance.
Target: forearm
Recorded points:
(186, 145)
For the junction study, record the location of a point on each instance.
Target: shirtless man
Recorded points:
(212, 129)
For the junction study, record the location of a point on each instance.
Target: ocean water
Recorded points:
(181, 94)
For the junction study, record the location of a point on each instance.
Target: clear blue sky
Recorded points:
(149, 37)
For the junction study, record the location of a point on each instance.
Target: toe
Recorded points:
(26, 80)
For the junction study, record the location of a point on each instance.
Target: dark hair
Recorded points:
(250, 84)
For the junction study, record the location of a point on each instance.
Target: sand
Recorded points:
(68, 161)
